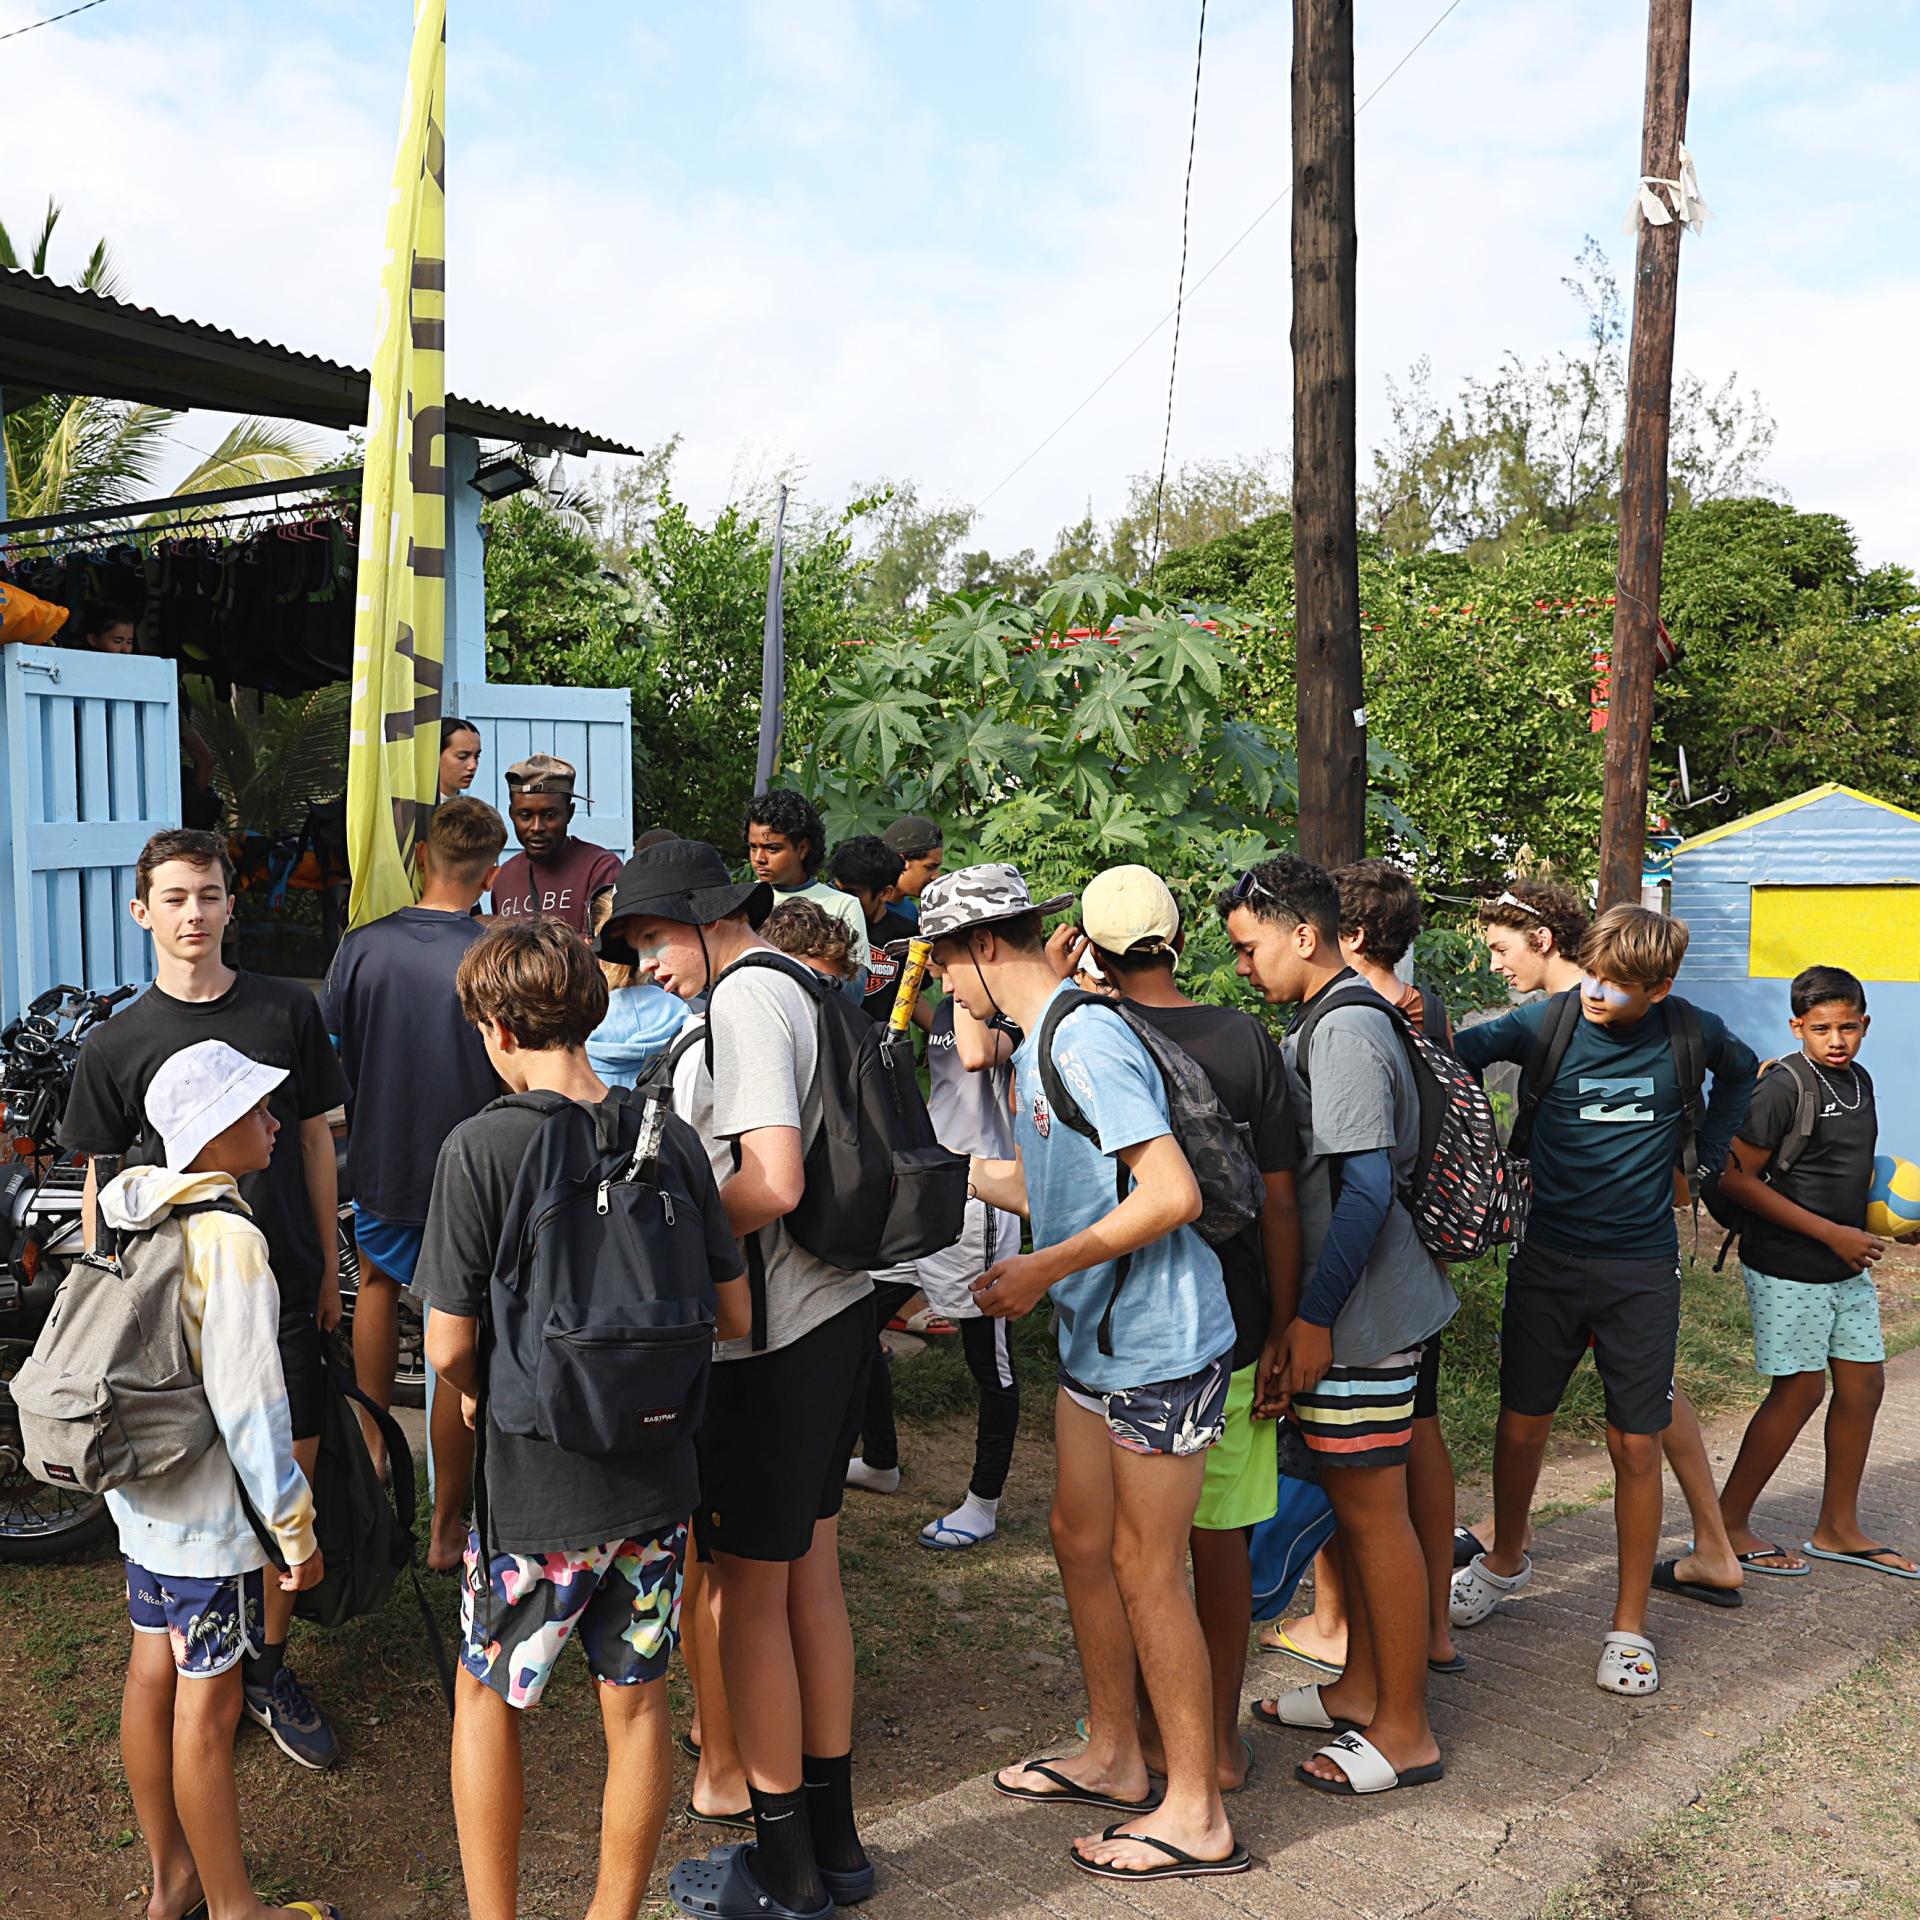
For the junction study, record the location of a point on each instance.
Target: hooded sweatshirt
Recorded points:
(189, 1522)
(640, 1021)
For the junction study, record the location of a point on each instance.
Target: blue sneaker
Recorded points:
(298, 1727)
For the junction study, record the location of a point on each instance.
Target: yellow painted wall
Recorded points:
(1874, 932)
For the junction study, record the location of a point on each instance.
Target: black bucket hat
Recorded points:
(683, 880)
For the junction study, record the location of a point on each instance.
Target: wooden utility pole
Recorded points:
(1643, 478)
(1331, 715)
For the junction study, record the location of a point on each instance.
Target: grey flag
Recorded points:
(773, 656)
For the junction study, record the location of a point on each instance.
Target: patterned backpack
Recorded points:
(1465, 1195)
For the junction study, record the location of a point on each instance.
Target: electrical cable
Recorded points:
(1146, 338)
(1179, 295)
(52, 20)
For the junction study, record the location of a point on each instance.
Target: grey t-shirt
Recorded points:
(1363, 1098)
(766, 1049)
(969, 1111)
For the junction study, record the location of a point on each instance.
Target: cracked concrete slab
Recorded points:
(1545, 1774)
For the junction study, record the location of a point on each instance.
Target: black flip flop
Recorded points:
(687, 1745)
(1458, 1664)
(1667, 1581)
(1180, 1865)
(1071, 1792)
(1751, 1561)
(741, 1822)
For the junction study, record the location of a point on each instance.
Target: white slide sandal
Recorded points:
(1477, 1590)
(1627, 1665)
(1368, 1770)
(1299, 1707)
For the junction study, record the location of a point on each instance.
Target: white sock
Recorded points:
(872, 1479)
(974, 1515)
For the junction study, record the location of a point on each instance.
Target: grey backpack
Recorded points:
(109, 1394)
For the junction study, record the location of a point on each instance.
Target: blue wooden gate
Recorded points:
(591, 728)
(90, 768)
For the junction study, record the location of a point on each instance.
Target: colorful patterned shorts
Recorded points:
(624, 1598)
(1167, 1416)
(1361, 1416)
(211, 1623)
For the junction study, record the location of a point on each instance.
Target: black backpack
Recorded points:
(880, 1189)
(1806, 1114)
(1214, 1142)
(1465, 1195)
(601, 1308)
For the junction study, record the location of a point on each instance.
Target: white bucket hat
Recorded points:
(200, 1092)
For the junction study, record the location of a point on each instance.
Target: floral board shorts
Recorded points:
(624, 1599)
(1168, 1416)
(211, 1623)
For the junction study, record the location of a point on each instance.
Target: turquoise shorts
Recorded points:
(1799, 1325)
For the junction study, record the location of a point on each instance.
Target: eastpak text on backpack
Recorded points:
(1215, 1144)
(1465, 1195)
(109, 1394)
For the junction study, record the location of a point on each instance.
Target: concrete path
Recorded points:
(1545, 1773)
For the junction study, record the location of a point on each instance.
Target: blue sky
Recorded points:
(906, 237)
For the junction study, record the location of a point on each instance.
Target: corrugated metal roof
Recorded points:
(56, 339)
(1783, 807)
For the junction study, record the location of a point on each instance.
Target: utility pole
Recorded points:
(1643, 478)
(1331, 720)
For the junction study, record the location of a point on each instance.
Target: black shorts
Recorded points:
(1426, 1384)
(303, 1359)
(779, 1431)
(1627, 1309)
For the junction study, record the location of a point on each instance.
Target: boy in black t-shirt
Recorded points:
(1808, 1261)
(183, 897)
(866, 867)
(577, 1547)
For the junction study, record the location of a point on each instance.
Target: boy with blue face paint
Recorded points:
(1600, 1264)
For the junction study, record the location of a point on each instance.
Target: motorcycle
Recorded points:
(40, 1230)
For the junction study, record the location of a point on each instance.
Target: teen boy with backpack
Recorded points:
(785, 1405)
(183, 897)
(418, 1068)
(1533, 930)
(1373, 1299)
(1600, 1263)
(195, 1587)
(1807, 1258)
(566, 1543)
(1133, 923)
(1145, 1339)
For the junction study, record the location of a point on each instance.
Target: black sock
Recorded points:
(258, 1669)
(836, 1843)
(782, 1856)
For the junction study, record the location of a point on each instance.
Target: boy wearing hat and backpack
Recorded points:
(1145, 1337)
(785, 1405)
(195, 1589)
(553, 873)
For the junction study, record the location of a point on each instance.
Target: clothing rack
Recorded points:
(108, 536)
(210, 497)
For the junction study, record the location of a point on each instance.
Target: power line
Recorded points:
(53, 21)
(1133, 353)
(1179, 294)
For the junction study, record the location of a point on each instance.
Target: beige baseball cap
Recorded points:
(541, 773)
(1128, 909)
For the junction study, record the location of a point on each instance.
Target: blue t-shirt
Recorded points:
(1172, 1317)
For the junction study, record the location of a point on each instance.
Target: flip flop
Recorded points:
(741, 1822)
(1180, 1865)
(1282, 1642)
(1458, 1664)
(1752, 1563)
(1368, 1770)
(722, 1887)
(1071, 1793)
(687, 1745)
(1669, 1581)
(1872, 1558)
(313, 1909)
(942, 1538)
(196, 1913)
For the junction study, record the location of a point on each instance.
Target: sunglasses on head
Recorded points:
(1249, 887)
(1514, 900)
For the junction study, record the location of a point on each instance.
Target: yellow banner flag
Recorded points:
(399, 622)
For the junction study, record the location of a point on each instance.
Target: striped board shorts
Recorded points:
(1361, 1416)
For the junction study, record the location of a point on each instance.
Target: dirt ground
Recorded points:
(965, 1662)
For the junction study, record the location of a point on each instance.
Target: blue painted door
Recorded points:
(90, 765)
(591, 728)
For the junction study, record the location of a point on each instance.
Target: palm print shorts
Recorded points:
(210, 1623)
(1169, 1416)
(624, 1599)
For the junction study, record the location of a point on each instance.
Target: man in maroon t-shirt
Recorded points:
(554, 874)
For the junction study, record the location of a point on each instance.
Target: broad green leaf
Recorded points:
(1246, 749)
(877, 726)
(1106, 709)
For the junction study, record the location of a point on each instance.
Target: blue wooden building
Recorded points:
(1829, 878)
(89, 745)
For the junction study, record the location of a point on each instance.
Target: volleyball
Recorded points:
(1893, 1201)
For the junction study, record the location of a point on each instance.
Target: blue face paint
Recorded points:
(1603, 994)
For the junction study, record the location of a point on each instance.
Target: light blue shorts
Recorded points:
(1799, 1325)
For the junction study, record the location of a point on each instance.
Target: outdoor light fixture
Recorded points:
(500, 479)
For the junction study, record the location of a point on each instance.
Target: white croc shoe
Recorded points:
(1477, 1590)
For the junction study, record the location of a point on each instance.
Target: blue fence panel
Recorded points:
(591, 728)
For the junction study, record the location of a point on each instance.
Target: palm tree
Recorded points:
(69, 452)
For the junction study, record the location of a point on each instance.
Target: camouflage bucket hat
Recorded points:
(978, 896)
